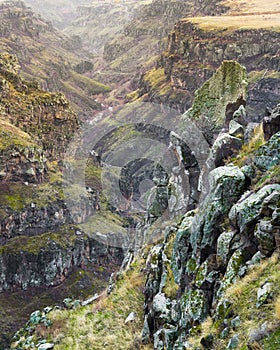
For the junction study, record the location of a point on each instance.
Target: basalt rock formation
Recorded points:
(195, 50)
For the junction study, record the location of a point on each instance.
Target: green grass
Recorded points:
(64, 238)
(11, 136)
(93, 87)
(248, 149)
(101, 325)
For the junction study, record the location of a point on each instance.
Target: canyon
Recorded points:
(139, 175)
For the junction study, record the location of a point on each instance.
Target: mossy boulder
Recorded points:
(247, 211)
(227, 184)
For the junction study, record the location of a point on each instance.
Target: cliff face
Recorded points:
(35, 125)
(144, 36)
(39, 245)
(212, 279)
(195, 50)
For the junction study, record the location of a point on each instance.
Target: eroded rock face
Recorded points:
(211, 248)
(189, 45)
(48, 259)
(271, 123)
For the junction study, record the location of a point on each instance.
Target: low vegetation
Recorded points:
(242, 296)
(102, 324)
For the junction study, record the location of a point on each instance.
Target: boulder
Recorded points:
(46, 346)
(240, 116)
(264, 293)
(245, 214)
(227, 183)
(268, 155)
(224, 147)
(265, 235)
(130, 318)
(236, 129)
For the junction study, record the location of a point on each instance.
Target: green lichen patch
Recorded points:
(34, 244)
(228, 84)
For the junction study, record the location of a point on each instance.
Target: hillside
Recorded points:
(47, 56)
(99, 22)
(205, 267)
(197, 45)
(61, 13)
(140, 183)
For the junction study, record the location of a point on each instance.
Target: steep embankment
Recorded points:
(47, 56)
(38, 244)
(207, 265)
(197, 46)
(144, 37)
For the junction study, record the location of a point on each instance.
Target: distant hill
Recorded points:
(54, 60)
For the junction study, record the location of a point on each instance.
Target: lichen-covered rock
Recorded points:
(236, 129)
(227, 184)
(235, 268)
(194, 307)
(239, 117)
(225, 146)
(265, 235)
(224, 245)
(268, 155)
(246, 212)
(180, 247)
(264, 293)
(211, 105)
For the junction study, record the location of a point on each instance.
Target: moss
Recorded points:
(132, 96)
(272, 176)
(93, 87)
(247, 150)
(35, 244)
(11, 136)
(105, 222)
(226, 86)
(18, 196)
(272, 342)
(171, 287)
(155, 77)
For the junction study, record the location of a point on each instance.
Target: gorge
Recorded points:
(139, 174)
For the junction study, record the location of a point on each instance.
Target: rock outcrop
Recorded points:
(193, 53)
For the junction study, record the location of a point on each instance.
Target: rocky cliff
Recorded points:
(47, 56)
(197, 46)
(203, 268)
(38, 244)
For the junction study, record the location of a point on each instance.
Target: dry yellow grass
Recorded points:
(244, 14)
(252, 6)
(277, 308)
(265, 21)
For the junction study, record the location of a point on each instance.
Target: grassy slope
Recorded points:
(101, 324)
